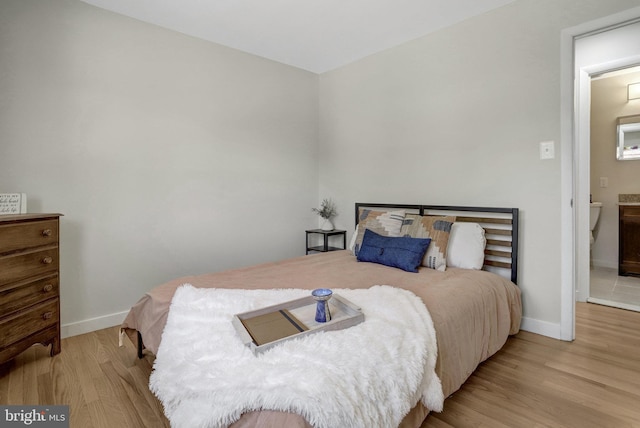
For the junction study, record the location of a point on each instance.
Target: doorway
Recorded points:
(606, 44)
(610, 177)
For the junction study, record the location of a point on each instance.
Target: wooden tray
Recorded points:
(293, 319)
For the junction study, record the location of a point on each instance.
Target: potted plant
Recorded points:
(326, 211)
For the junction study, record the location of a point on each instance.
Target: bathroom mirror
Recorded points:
(628, 147)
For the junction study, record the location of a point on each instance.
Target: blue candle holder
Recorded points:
(322, 296)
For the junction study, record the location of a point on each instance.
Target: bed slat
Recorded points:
(496, 263)
(506, 254)
(484, 220)
(503, 232)
(498, 243)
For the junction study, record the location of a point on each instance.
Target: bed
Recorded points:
(474, 310)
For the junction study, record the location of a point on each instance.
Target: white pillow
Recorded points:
(466, 246)
(354, 237)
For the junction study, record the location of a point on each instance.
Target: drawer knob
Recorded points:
(47, 315)
(47, 260)
(46, 232)
(47, 288)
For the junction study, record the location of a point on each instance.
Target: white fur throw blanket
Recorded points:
(369, 375)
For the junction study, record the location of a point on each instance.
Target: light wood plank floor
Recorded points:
(533, 381)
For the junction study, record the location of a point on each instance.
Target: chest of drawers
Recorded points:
(29, 283)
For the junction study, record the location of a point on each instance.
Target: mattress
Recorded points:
(473, 311)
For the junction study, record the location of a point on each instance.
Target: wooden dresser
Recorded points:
(29, 283)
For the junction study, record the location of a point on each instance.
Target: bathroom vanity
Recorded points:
(629, 238)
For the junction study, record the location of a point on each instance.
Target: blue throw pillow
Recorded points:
(401, 252)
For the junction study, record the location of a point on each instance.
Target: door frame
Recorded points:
(575, 108)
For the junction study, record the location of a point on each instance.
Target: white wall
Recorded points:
(456, 118)
(166, 154)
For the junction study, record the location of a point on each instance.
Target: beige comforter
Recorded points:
(473, 311)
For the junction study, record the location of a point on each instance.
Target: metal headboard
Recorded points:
(500, 225)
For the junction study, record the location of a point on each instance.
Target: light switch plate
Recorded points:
(604, 182)
(547, 150)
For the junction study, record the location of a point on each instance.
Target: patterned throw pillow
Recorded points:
(385, 223)
(438, 229)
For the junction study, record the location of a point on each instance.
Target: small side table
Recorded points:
(326, 234)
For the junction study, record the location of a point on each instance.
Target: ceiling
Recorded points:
(315, 35)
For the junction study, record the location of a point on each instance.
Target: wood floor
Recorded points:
(533, 381)
(103, 384)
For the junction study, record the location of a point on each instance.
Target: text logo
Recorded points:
(34, 416)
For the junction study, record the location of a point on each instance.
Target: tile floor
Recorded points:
(607, 288)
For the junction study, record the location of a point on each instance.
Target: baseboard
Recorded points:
(543, 328)
(531, 325)
(613, 304)
(604, 264)
(92, 324)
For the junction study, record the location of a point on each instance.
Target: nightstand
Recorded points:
(326, 234)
